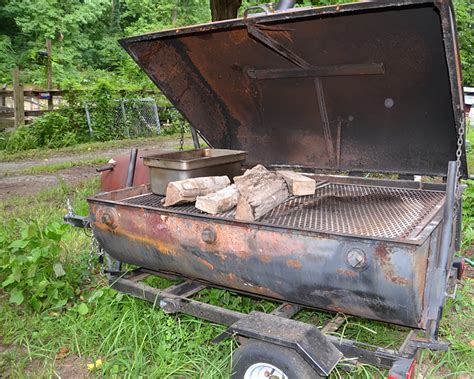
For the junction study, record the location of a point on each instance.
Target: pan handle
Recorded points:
(251, 9)
(107, 167)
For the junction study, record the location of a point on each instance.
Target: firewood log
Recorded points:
(298, 184)
(260, 191)
(219, 201)
(186, 191)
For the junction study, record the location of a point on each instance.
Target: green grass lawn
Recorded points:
(41, 153)
(132, 339)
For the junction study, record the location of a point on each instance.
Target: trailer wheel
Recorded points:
(261, 360)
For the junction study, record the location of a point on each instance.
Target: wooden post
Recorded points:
(49, 73)
(18, 99)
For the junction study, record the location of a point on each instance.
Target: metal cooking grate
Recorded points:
(382, 212)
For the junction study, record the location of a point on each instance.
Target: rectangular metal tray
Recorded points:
(180, 165)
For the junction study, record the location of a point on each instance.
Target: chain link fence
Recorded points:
(131, 118)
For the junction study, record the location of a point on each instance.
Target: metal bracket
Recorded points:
(432, 345)
(286, 310)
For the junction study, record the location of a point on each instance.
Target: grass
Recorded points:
(470, 155)
(132, 339)
(53, 167)
(84, 147)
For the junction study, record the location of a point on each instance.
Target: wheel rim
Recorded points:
(263, 370)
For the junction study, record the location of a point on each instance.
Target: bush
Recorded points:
(21, 139)
(67, 125)
(32, 269)
(52, 130)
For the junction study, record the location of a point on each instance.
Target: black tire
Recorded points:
(286, 360)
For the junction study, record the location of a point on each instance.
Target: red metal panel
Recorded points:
(115, 179)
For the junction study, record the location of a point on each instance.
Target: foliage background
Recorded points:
(85, 33)
(89, 63)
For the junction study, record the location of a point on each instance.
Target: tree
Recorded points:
(465, 23)
(224, 9)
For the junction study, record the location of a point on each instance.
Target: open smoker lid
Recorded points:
(371, 86)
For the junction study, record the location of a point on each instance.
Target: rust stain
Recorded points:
(349, 273)
(293, 263)
(167, 249)
(382, 252)
(205, 263)
(239, 36)
(265, 258)
(232, 277)
(263, 291)
(397, 279)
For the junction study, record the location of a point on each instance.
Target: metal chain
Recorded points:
(459, 150)
(95, 251)
(181, 141)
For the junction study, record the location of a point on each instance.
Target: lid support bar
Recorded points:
(276, 46)
(318, 71)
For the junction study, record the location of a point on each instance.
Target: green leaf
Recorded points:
(53, 293)
(61, 302)
(43, 284)
(18, 244)
(16, 296)
(31, 271)
(35, 303)
(58, 270)
(8, 281)
(83, 309)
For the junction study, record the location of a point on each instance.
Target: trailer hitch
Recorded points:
(75, 220)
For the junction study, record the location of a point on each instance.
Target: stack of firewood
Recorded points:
(255, 193)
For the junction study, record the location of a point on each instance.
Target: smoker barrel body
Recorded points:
(378, 278)
(366, 87)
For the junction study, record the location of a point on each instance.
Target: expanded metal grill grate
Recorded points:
(369, 211)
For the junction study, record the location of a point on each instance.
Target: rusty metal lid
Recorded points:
(370, 86)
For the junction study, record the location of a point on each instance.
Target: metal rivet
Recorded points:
(389, 102)
(357, 259)
(208, 235)
(106, 219)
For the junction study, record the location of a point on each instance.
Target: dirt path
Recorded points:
(9, 167)
(13, 182)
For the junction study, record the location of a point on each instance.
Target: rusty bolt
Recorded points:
(106, 219)
(208, 235)
(357, 259)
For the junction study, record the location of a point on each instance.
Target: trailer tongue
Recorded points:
(363, 87)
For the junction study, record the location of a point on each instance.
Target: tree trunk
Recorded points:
(224, 9)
